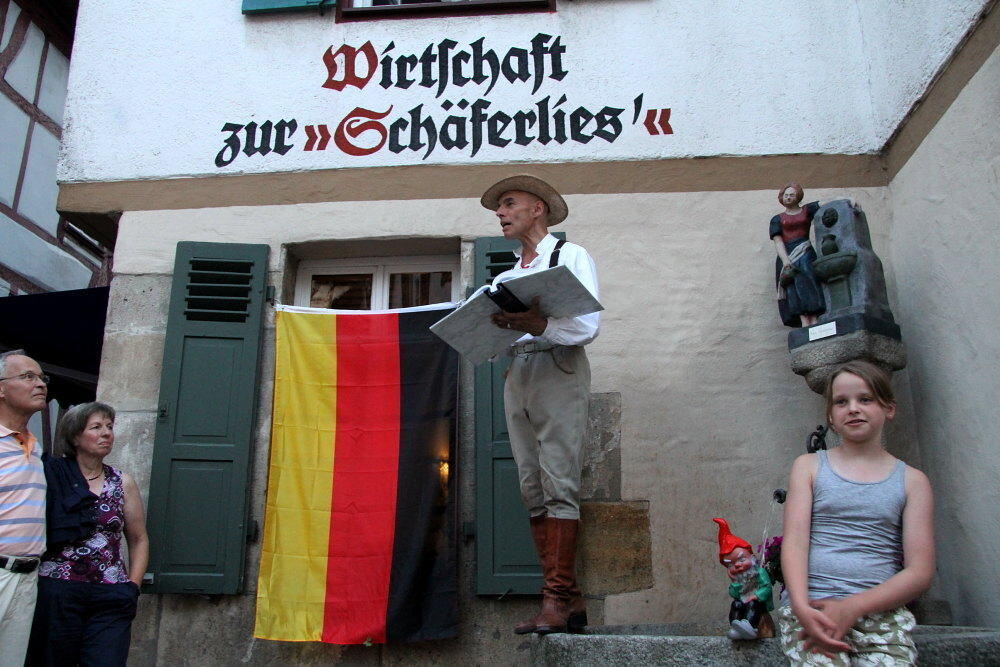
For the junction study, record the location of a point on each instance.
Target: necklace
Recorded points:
(91, 479)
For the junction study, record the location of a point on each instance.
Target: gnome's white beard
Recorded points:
(748, 581)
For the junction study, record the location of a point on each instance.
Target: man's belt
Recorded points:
(531, 347)
(22, 565)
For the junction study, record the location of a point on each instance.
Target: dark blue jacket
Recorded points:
(71, 508)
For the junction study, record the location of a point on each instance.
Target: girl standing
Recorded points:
(858, 536)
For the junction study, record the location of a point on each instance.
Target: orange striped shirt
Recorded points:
(22, 494)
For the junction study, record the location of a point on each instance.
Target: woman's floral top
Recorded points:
(97, 559)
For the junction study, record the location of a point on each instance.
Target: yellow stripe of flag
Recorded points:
(291, 587)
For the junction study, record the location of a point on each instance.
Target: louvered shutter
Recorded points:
(271, 6)
(200, 481)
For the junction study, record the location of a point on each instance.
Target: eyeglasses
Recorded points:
(30, 376)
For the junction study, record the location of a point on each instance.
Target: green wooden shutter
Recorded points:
(200, 481)
(271, 6)
(505, 556)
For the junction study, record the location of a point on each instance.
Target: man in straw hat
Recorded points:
(546, 394)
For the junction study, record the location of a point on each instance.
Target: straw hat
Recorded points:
(528, 183)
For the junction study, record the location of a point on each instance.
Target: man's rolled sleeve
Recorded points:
(583, 329)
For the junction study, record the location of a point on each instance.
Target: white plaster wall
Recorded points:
(151, 90)
(22, 251)
(906, 43)
(22, 74)
(12, 11)
(15, 132)
(946, 203)
(39, 261)
(52, 94)
(712, 416)
(39, 190)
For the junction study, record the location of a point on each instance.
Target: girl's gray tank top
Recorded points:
(856, 535)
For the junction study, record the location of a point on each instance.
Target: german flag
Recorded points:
(359, 528)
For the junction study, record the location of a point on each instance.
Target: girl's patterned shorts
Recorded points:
(878, 639)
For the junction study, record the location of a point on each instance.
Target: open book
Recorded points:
(472, 333)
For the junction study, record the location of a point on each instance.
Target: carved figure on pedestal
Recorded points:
(857, 322)
(800, 297)
(750, 589)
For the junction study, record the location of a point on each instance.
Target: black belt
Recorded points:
(19, 565)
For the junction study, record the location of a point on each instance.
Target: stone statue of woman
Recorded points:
(800, 297)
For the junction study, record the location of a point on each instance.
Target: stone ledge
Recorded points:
(682, 644)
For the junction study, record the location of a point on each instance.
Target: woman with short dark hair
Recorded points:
(87, 594)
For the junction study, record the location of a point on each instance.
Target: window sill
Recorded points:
(437, 9)
(256, 7)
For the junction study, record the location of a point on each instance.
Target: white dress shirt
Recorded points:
(561, 330)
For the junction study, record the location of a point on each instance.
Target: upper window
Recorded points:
(353, 10)
(377, 283)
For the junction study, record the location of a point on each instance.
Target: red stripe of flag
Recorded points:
(365, 471)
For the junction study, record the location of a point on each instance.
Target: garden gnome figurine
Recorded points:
(750, 587)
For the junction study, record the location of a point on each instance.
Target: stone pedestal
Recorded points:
(853, 337)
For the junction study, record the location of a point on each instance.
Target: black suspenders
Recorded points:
(554, 257)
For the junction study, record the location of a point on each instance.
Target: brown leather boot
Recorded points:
(577, 619)
(560, 575)
(538, 536)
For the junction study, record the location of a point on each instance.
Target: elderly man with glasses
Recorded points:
(23, 392)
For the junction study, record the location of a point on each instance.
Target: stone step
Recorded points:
(691, 644)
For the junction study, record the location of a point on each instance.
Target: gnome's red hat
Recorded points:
(728, 541)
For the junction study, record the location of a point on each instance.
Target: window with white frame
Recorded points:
(377, 283)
